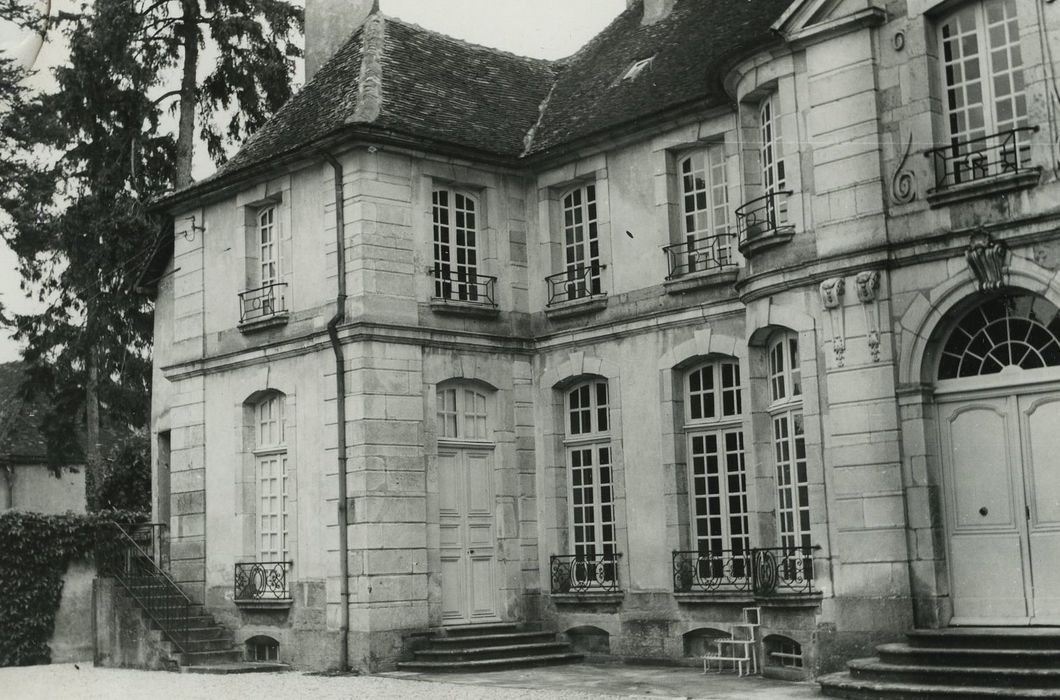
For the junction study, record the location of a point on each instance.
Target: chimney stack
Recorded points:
(656, 10)
(328, 24)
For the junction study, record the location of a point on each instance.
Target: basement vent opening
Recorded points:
(262, 648)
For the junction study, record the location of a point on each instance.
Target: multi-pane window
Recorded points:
(771, 157)
(455, 245)
(789, 443)
(592, 496)
(705, 202)
(268, 251)
(271, 457)
(461, 414)
(717, 470)
(982, 68)
(581, 242)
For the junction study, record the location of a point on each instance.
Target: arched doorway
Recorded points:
(997, 395)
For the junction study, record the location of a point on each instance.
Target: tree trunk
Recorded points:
(189, 30)
(93, 462)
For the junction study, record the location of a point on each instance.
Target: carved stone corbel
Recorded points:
(987, 258)
(868, 284)
(832, 299)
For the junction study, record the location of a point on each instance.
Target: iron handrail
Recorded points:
(577, 573)
(262, 302)
(136, 570)
(261, 580)
(1003, 153)
(464, 286)
(761, 571)
(577, 282)
(714, 252)
(759, 218)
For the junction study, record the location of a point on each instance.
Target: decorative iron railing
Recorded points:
(461, 285)
(763, 217)
(262, 580)
(757, 571)
(1004, 153)
(262, 302)
(700, 255)
(576, 573)
(574, 283)
(120, 556)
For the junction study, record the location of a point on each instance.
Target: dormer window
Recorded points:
(637, 68)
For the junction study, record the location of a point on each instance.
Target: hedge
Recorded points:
(35, 551)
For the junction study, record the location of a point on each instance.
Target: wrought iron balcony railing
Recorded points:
(1004, 153)
(700, 255)
(262, 580)
(576, 573)
(461, 285)
(764, 217)
(576, 282)
(262, 302)
(757, 571)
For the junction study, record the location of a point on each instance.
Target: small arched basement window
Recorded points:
(1018, 331)
(262, 648)
(782, 651)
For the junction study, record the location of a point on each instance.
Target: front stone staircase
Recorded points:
(190, 636)
(959, 662)
(488, 647)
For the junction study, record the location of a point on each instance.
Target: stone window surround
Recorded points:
(552, 187)
(246, 477)
(556, 536)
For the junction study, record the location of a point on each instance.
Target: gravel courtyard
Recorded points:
(576, 682)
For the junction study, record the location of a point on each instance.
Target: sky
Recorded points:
(539, 28)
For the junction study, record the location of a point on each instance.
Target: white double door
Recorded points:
(1001, 480)
(467, 535)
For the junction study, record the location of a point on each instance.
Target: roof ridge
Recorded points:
(499, 52)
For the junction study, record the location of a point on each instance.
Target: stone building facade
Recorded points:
(743, 305)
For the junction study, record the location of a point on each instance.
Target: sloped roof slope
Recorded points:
(690, 47)
(20, 438)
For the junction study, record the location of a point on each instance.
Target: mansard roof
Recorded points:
(395, 79)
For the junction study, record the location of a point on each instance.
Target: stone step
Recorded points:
(471, 630)
(842, 685)
(204, 633)
(926, 673)
(493, 652)
(239, 667)
(195, 621)
(482, 640)
(224, 643)
(489, 664)
(968, 656)
(987, 637)
(210, 658)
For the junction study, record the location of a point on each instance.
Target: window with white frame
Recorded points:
(716, 466)
(581, 243)
(456, 256)
(705, 209)
(771, 157)
(461, 414)
(268, 248)
(789, 443)
(982, 66)
(588, 446)
(270, 456)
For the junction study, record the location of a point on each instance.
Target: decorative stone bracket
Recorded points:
(986, 257)
(832, 299)
(868, 284)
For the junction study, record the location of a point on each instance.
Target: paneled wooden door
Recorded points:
(467, 535)
(1001, 480)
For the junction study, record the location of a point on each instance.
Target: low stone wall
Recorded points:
(71, 640)
(123, 636)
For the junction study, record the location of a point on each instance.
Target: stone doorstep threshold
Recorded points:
(779, 601)
(999, 184)
(699, 280)
(260, 324)
(464, 308)
(257, 604)
(588, 598)
(577, 307)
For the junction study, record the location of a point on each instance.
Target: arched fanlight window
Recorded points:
(1017, 331)
(461, 414)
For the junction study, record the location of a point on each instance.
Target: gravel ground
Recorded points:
(63, 681)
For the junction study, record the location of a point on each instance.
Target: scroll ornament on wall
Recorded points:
(903, 181)
(832, 300)
(987, 257)
(868, 284)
